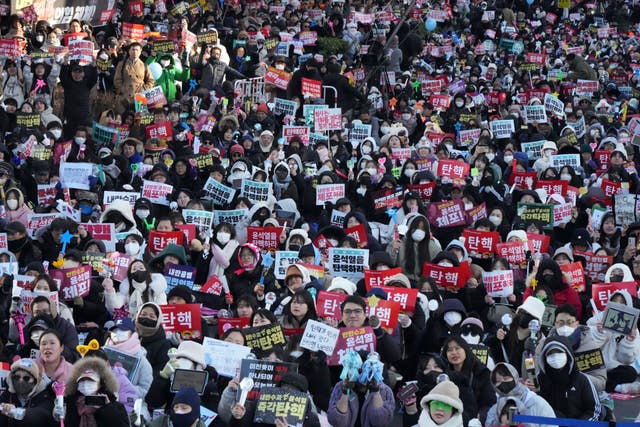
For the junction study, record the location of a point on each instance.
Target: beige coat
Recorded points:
(131, 78)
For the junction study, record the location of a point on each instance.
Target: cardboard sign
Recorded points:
(157, 192)
(328, 304)
(329, 193)
(318, 336)
(349, 263)
(129, 362)
(327, 119)
(264, 237)
(446, 214)
(225, 356)
(596, 266)
(226, 323)
(182, 318)
(356, 339)
(454, 171)
(256, 191)
(159, 240)
(179, 275)
(264, 337)
(276, 403)
(448, 277)
(536, 212)
(480, 244)
(514, 252)
(264, 374)
(498, 283)
(588, 361)
(278, 78)
(73, 282)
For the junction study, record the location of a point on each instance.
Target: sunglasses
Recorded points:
(23, 378)
(439, 406)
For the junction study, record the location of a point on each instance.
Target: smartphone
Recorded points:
(408, 390)
(95, 401)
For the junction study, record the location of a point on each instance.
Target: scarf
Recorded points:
(130, 346)
(86, 413)
(279, 185)
(135, 299)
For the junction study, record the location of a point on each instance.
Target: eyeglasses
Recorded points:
(356, 311)
(439, 406)
(561, 323)
(23, 378)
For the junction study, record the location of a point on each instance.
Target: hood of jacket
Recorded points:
(561, 343)
(108, 379)
(122, 206)
(626, 271)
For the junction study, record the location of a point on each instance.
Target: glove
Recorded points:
(78, 301)
(176, 339)
(169, 369)
(405, 321)
(373, 385)
(348, 386)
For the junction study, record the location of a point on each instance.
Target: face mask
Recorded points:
(452, 318)
(182, 420)
(146, 322)
(616, 278)
(409, 172)
(280, 66)
(548, 279)
(468, 206)
(506, 386)
(565, 177)
(185, 363)
(16, 245)
(139, 276)
(385, 129)
(361, 191)
(418, 235)
(594, 133)
(223, 237)
(471, 339)
(39, 38)
(568, 110)
(119, 336)
(406, 116)
(12, 204)
(57, 133)
(557, 360)
(121, 227)
(132, 248)
(372, 171)
(54, 42)
(365, 149)
(548, 153)
(565, 331)
(296, 354)
(459, 104)
(508, 159)
(491, 156)
(165, 62)
(88, 388)
(35, 337)
(23, 388)
(142, 213)
(495, 220)
(79, 140)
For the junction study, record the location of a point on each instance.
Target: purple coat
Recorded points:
(127, 394)
(369, 416)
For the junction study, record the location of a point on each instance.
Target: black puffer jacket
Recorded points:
(38, 406)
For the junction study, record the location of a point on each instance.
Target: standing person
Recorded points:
(214, 70)
(77, 82)
(132, 76)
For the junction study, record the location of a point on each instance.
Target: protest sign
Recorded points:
(601, 292)
(203, 219)
(318, 336)
(105, 232)
(450, 213)
(575, 272)
(387, 198)
(590, 360)
(452, 171)
(553, 186)
(502, 128)
(337, 218)
(586, 86)
(302, 132)
(536, 212)
(329, 193)
(406, 297)
(47, 194)
(357, 339)
(225, 356)
(538, 243)
(562, 214)
(75, 175)
(349, 263)
(129, 362)
(157, 192)
(232, 217)
(535, 114)
(276, 403)
(514, 252)
(72, 282)
(160, 131)
(256, 191)
(10, 48)
(219, 193)
(28, 120)
(378, 278)
(134, 32)
(327, 119)
(93, 259)
(177, 275)
(311, 88)
(110, 196)
(328, 304)
(579, 127)
(36, 222)
(476, 213)
(81, 51)
(498, 283)
(27, 297)
(182, 318)
(283, 260)
(557, 161)
(533, 149)
(264, 237)
(278, 78)
(469, 137)
(284, 107)
(452, 278)
(620, 318)
(553, 105)
(359, 234)
(226, 323)
(385, 310)
(264, 337)
(626, 208)
(159, 240)
(359, 132)
(480, 244)
(264, 373)
(424, 190)
(595, 265)
(120, 265)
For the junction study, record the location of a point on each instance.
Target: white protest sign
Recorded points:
(329, 193)
(553, 105)
(535, 114)
(256, 191)
(533, 149)
(219, 193)
(283, 260)
(498, 283)
(75, 175)
(337, 217)
(349, 263)
(557, 161)
(284, 107)
(203, 219)
(36, 222)
(579, 127)
(110, 196)
(225, 356)
(502, 128)
(359, 132)
(232, 217)
(562, 214)
(319, 337)
(157, 192)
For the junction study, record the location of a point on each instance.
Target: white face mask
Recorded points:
(565, 177)
(409, 172)
(557, 360)
(88, 387)
(142, 213)
(165, 62)
(132, 248)
(385, 129)
(491, 156)
(12, 204)
(508, 159)
(452, 318)
(119, 336)
(57, 133)
(548, 153)
(280, 66)
(372, 171)
(459, 104)
(35, 337)
(365, 149)
(79, 140)
(296, 354)
(418, 235)
(185, 363)
(223, 237)
(495, 220)
(468, 206)
(471, 339)
(406, 116)
(361, 191)
(565, 331)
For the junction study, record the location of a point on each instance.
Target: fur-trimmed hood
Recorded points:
(108, 381)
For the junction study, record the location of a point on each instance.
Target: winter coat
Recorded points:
(157, 346)
(131, 78)
(38, 406)
(61, 373)
(128, 393)
(214, 73)
(426, 420)
(169, 76)
(157, 288)
(113, 414)
(77, 107)
(580, 70)
(144, 375)
(534, 405)
(369, 416)
(616, 349)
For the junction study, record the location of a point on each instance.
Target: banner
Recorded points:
(72, 282)
(329, 193)
(576, 275)
(182, 318)
(328, 304)
(264, 237)
(446, 214)
(60, 12)
(176, 275)
(264, 374)
(157, 192)
(318, 336)
(225, 356)
(349, 263)
(498, 283)
(362, 338)
(480, 244)
(452, 278)
(264, 337)
(159, 240)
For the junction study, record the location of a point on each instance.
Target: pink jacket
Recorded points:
(61, 373)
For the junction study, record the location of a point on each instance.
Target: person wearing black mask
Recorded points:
(21, 245)
(148, 323)
(184, 412)
(506, 382)
(548, 273)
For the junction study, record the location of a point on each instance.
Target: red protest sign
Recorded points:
(278, 78)
(481, 244)
(226, 323)
(477, 212)
(602, 158)
(162, 131)
(523, 180)
(587, 86)
(596, 266)
(359, 233)
(120, 265)
(378, 278)
(553, 186)
(498, 283)
(182, 318)
(189, 231)
(106, 15)
(431, 86)
(159, 240)
(135, 8)
(537, 58)
(312, 88)
(538, 243)
(47, 194)
(406, 297)
(131, 31)
(424, 190)
(328, 304)
(73, 282)
(352, 339)
(452, 278)
(576, 275)
(514, 252)
(385, 310)
(385, 199)
(601, 292)
(264, 237)
(440, 102)
(212, 286)
(446, 214)
(10, 48)
(454, 170)
(611, 188)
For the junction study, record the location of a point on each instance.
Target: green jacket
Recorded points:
(170, 74)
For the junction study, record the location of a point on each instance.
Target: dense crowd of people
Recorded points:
(449, 187)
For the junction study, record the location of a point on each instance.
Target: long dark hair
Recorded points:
(422, 247)
(146, 293)
(304, 296)
(469, 358)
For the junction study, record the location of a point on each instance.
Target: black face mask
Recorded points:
(547, 279)
(145, 321)
(16, 245)
(107, 160)
(140, 276)
(429, 379)
(486, 181)
(23, 388)
(613, 279)
(506, 387)
(294, 247)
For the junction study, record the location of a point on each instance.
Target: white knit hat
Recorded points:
(445, 392)
(342, 283)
